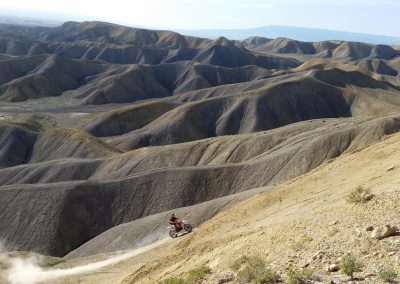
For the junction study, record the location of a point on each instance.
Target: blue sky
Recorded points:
(366, 16)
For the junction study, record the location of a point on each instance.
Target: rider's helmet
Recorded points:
(173, 215)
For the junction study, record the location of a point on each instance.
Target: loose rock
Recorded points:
(317, 255)
(305, 265)
(369, 228)
(332, 268)
(383, 232)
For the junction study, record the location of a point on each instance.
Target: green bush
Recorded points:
(296, 277)
(198, 274)
(254, 270)
(267, 276)
(172, 280)
(388, 274)
(237, 264)
(349, 265)
(359, 195)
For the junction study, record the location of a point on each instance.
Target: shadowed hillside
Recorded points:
(326, 49)
(21, 144)
(141, 182)
(318, 94)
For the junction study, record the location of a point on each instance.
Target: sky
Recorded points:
(380, 17)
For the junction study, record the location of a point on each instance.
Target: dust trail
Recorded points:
(2, 246)
(25, 271)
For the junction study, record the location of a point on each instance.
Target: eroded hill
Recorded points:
(304, 224)
(101, 125)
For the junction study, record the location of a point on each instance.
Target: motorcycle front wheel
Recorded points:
(188, 228)
(172, 233)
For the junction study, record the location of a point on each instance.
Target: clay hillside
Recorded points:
(280, 151)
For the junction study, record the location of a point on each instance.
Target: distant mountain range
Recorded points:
(298, 33)
(28, 21)
(272, 32)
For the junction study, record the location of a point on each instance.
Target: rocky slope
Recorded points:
(304, 222)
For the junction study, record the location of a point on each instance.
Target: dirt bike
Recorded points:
(183, 225)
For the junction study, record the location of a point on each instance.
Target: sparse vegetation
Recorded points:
(349, 265)
(300, 244)
(237, 264)
(388, 274)
(198, 274)
(369, 241)
(33, 123)
(359, 195)
(388, 247)
(333, 232)
(299, 276)
(254, 270)
(172, 280)
(194, 276)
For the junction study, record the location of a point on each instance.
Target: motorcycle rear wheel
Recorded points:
(188, 228)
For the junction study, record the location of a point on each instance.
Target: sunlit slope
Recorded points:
(273, 225)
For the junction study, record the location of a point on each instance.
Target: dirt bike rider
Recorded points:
(176, 222)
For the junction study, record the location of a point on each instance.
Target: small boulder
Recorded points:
(225, 278)
(306, 264)
(368, 196)
(383, 232)
(318, 255)
(332, 268)
(369, 228)
(220, 277)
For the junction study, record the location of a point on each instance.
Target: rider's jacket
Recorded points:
(172, 220)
